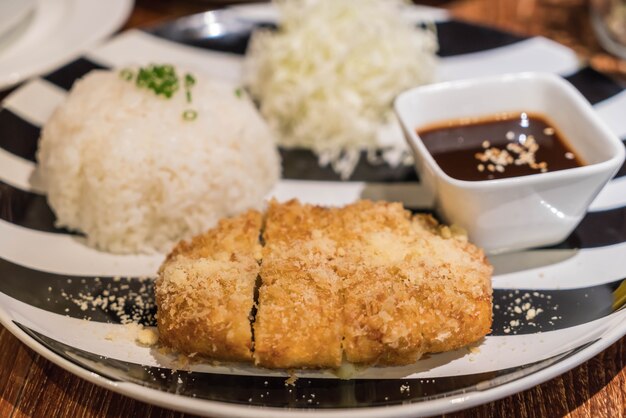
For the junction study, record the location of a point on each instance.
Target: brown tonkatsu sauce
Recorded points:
(500, 146)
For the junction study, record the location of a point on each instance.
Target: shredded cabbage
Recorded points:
(326, 79)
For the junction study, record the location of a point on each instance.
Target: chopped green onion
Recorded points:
(189, 80)
(126, 74)
(190, 115)
(161, 79)
(238, 92)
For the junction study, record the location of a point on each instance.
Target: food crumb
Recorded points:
(291, 381)
(445, 232)
(532, 313)
(346, 371)
(147, 337)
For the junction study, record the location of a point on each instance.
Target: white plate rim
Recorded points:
(11, 23)
(222, 409)
(112, 16)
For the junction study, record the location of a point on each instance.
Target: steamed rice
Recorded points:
(121, 165)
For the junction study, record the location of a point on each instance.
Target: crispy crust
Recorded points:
(298, 323)
(410, 286)
(205, 291)
(379, 311)
(456, 297)
(368, 281)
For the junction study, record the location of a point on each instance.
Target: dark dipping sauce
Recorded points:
(499, 146)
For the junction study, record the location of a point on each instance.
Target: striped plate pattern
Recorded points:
(49, 279)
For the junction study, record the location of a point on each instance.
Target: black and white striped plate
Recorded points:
(48, 275)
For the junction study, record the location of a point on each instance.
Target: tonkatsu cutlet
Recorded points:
(455, 296)
(381, 314)
(368, 282)
(205, 291)
(299, 318)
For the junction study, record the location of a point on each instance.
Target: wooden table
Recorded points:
(31, 386)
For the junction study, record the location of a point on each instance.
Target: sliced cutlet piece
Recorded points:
(456, 293)
(410, 285)
(381, 314)
(205, 290)
(299, 318)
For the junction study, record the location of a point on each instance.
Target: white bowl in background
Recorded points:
(12, 12)
(518, 212)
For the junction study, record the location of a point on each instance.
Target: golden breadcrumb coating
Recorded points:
(456, 297)
(298, 322)
(380, 312)
(407, 289)
(368, 282)
(205, 291)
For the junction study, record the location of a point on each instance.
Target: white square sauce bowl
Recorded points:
(517, 212)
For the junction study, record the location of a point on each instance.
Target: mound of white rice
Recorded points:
(121, 164)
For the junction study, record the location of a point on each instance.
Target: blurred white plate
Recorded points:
(12, 13)
(56, 31)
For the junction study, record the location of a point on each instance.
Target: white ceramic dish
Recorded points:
(58, 31)
(12, 12)
(519, 212)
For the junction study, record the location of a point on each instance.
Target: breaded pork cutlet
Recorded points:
(410, 287)
(380, 312)
(205, 291)
(369, 282)
(299, 321)
(455, 293)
